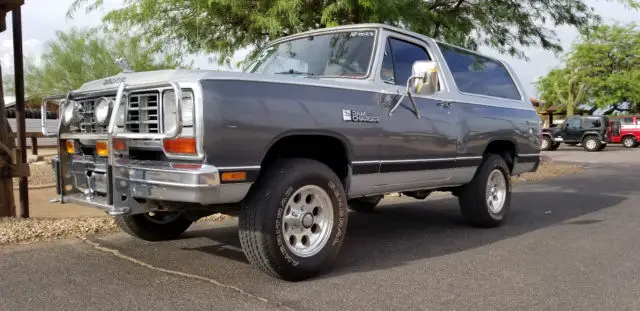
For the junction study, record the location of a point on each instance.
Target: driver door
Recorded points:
(418, 144)
(573, 129)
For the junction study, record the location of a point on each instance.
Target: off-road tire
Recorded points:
(554, 146)
(473, 196)
(591, 143)
(546, 143)
(260, 223)
(366, 204)
(629, 142)
(140, 226)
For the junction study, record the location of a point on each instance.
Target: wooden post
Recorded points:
(34, 145)
(7, 207)
(23, 182)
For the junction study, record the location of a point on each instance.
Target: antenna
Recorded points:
(124, 64)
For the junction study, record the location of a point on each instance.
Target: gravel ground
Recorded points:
(17, 230)
(548, 170)
(41, 175)
(38, 229)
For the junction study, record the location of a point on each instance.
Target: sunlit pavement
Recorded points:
(570, 244)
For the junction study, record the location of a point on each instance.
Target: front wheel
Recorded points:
(294, 220)
(629, 142)
(160, 226)
(486, 200)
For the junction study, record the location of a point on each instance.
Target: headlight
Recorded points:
(73, 113)
(169, 106)
(102, 110)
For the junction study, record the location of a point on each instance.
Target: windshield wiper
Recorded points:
(294, 72)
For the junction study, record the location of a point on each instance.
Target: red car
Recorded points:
(629, 131)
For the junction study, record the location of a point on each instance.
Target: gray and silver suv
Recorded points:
(321, 121)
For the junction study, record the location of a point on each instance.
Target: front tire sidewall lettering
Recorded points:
(333, 244)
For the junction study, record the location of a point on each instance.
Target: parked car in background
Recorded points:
(629, 131)
(592, 132)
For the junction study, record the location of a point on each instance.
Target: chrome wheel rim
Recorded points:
(628, 142)
(591, 144)
(545, 144)
(496, 191)
(307, 221)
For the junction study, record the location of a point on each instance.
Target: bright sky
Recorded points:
(40, 20)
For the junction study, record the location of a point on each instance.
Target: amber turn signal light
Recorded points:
(102, 148)
(234, 176)
(119, 145)
(180, 146)
(70, 146)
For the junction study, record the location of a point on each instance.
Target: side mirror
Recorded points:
(424, 78)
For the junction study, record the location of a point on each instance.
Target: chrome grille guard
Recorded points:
(122, 89)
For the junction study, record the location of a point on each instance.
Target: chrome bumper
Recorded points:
(135, 183)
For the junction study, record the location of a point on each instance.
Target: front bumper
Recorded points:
(140, 186)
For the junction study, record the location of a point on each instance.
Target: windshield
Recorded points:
(343, 54)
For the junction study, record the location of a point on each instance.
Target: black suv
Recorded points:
(592, 132)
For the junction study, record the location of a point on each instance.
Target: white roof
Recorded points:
(9, 101)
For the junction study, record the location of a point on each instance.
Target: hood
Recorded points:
(112, 82)
(188, 75)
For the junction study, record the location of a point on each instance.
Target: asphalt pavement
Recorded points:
(571, 243)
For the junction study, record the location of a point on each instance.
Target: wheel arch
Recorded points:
(506, 147)
(314, 141)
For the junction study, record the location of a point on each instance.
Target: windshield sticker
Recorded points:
(362, 34)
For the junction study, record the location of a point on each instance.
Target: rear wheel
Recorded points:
(546, 143)
(591, 143)
(366, 204)
(554, 146)
(159, 226)
(294, 220)
(486, 200)
(629, 142)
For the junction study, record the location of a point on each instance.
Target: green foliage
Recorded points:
(79, 56)
(225, 26)
(604, 65)
(563, 88)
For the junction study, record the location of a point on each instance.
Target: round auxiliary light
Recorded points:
(73, 113)
(102, 110)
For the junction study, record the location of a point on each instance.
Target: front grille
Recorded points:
(143, 112)
(88, 124)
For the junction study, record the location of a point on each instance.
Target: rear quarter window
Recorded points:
(479, 75)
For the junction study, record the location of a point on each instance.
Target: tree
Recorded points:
(603, 68)
(79, 56)
(563, 88)
(225, 26)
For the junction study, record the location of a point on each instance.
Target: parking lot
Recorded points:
(571, 243)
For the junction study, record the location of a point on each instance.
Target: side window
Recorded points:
(574, 123)
(398, 60)
(626, 120)
(479, 75)
(592, 123)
